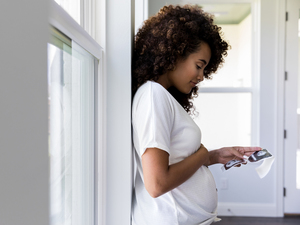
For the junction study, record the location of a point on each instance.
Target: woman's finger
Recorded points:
(252, 149)
(238, 152)
(247, 150)
(249, 153)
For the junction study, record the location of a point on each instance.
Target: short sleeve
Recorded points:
(152, 118)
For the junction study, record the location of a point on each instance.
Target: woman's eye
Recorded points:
(198, 67)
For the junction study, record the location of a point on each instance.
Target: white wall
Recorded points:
(24, 113)
(115, 30)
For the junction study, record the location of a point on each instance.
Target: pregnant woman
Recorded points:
(174, 51)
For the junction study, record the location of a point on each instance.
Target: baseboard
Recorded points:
(247, 209)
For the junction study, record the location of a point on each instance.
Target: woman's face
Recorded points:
(188, 72)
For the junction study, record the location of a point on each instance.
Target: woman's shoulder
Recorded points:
(151, 89)
(151, 85)
(151, 93)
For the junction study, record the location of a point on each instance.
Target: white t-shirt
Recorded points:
(159, 121)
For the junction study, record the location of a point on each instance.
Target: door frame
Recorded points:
(281, 32)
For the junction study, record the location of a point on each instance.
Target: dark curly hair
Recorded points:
(171, 35)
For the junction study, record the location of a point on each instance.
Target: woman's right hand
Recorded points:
(224, 155)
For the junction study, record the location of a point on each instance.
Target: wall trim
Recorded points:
(247, 209)
(100, 37)
(114, 32)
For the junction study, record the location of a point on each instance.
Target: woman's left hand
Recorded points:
(223, 155)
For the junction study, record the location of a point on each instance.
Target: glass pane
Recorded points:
(236, 23)
(72, 7)
(71, 134)
(224, 119)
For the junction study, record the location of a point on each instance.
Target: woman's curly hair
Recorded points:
(172, 35)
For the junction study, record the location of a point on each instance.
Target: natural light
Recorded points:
(71, 132)
(225, 102)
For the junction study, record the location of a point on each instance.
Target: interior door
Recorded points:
(292, 110)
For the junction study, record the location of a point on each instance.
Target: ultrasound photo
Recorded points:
(255, 157)
(259, 155)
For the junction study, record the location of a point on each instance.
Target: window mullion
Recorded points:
(87, 16)
(82, 14)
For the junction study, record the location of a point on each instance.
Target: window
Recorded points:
(71, 104)
(73, 70)
(227, 104)
(82, 11)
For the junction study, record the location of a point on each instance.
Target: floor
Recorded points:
(288, 220)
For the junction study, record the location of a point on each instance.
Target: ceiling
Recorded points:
(228, 13)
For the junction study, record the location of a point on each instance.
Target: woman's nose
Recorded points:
(200, 76)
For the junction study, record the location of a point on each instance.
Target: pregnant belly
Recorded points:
(196, 198)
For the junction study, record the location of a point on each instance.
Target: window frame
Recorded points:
(62, 21)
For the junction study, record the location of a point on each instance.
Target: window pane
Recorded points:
(236, 23)
(224, 119)
(71, 134)
(72, 7)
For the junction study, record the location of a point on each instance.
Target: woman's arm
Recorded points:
(160, 177)
(223, 155)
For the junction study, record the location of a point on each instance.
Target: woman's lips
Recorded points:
(193, 83)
